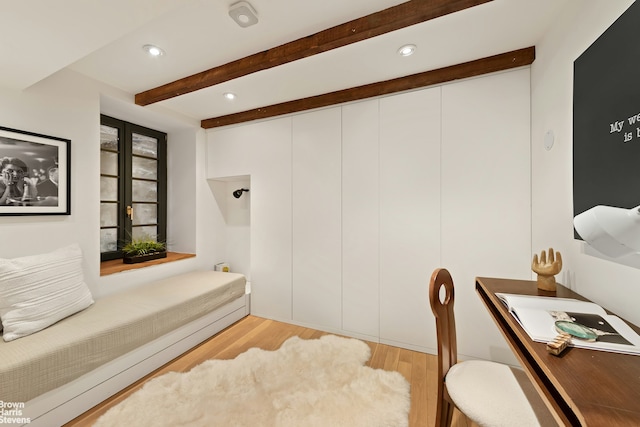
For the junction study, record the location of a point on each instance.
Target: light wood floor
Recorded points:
(418, 368)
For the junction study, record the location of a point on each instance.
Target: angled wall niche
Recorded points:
(236, 212)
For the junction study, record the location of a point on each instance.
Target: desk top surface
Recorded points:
(590, 387)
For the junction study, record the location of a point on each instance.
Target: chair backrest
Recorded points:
(441, 297)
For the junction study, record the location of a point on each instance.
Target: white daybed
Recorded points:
(69, 367)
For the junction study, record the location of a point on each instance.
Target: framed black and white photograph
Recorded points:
(35, 176)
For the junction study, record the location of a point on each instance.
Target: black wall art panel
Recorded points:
(606, 118)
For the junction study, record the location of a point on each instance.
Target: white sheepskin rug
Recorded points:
(321, 382)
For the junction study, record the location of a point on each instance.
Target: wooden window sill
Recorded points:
(116, 265)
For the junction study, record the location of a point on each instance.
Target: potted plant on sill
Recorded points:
(143, 249)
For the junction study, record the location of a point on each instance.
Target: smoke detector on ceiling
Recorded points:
(243, 13)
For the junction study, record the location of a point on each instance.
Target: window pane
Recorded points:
(144, 232)
(108, 188)
(108, 163)
(108, 138)
(144, 191)
(145, 213)
(132, 172)
(144, 168)
(108, 214)
(145, 146)
(108, 240)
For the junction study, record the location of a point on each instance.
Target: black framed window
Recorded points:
(133, 185)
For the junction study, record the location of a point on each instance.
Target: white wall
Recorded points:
(68, 105)
(615, 286)
(261, 151)
(67, 108)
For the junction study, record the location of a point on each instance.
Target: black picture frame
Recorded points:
(30, 164)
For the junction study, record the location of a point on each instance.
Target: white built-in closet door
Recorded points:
(360, 219)
(486, 196)
(317, 254)
(271, 280)
(409, 215)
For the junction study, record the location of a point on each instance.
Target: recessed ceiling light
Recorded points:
(153, 50)
(407, 50)
(230, 96)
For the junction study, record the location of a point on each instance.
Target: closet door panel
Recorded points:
(271, 248)
(486, 196)
(409, 215)
(317, 254)
(360, 218)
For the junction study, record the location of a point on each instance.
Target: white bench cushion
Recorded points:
(113, 326)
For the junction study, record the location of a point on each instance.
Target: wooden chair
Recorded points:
(488, 393)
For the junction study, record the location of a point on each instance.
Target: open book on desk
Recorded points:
(537, 316)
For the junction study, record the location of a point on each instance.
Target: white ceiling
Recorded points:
(103, 39)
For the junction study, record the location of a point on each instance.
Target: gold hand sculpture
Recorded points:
(547, 269)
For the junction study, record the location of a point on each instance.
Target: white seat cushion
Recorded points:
(493, 394)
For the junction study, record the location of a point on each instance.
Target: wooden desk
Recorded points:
(584, 387)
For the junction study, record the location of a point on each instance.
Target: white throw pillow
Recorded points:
(39, 290)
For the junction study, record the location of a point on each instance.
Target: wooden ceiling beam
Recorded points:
(375, 24)
(491, 64)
